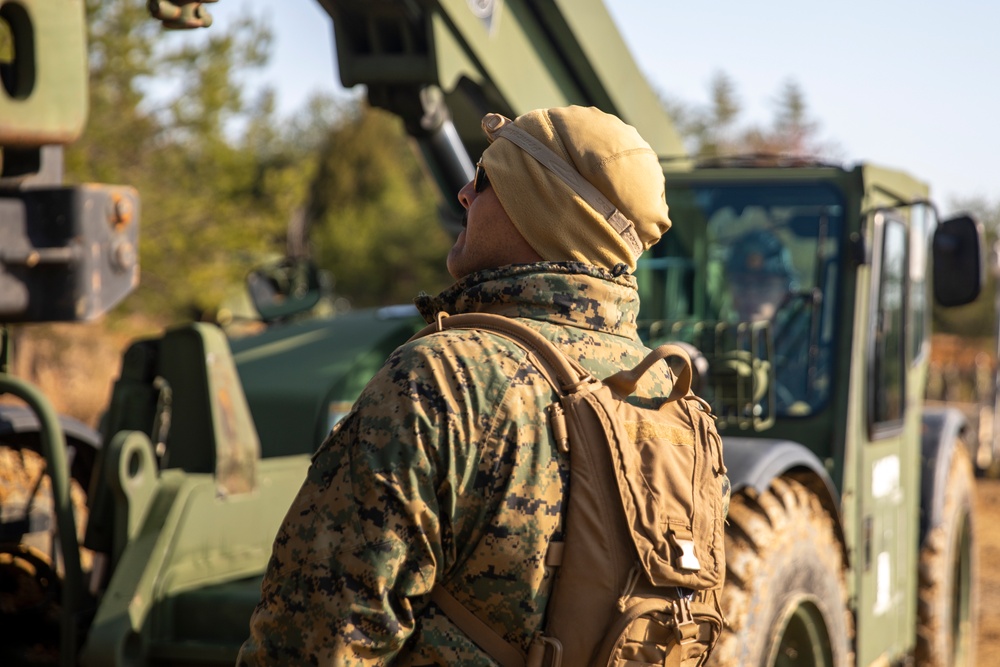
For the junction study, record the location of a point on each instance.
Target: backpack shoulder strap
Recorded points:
(483, 635)
(564, 374)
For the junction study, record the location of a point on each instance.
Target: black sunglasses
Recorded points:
(480, 182)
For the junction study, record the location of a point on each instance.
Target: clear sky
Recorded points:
(909, 84)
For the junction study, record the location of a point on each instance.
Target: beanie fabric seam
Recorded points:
(617, 156)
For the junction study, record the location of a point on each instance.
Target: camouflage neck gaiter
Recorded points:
(565, 293)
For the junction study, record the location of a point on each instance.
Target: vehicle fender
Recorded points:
(20, 420)
(756, 462)
(941, 432)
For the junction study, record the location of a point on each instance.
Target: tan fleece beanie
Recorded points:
(609, 216)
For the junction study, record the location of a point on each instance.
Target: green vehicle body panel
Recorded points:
(301, 375)
(187, 577)
(44, 98)
(201, 517)
(570, 48)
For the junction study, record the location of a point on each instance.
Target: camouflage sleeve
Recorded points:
(375, 522)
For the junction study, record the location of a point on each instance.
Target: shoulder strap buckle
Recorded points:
(545, 652)
(684, 625)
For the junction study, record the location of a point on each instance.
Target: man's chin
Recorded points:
(454, 262)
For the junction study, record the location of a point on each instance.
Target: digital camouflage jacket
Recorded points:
(444, 471)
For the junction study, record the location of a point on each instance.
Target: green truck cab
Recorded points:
(850, 539)
(851, 497)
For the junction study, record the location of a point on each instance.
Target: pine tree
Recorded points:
(373, 213)
(714, 131)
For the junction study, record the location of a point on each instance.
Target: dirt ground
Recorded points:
(988, 528)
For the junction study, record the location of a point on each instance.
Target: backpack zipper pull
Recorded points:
(557, 418)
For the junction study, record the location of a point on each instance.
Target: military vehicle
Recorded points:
(851, 532)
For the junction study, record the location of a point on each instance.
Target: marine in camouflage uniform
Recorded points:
(445, 471)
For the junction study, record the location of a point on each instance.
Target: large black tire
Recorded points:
(947, 618)
(785, 599)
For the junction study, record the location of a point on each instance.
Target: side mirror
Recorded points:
(284, 288)
(958, 261)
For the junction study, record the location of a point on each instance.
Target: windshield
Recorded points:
(748, 276)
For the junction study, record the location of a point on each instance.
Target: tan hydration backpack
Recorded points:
(642, 567)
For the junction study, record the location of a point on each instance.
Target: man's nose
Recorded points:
(466, 195)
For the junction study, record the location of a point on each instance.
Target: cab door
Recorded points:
(889, 459)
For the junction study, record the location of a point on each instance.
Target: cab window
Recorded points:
(888, 351)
